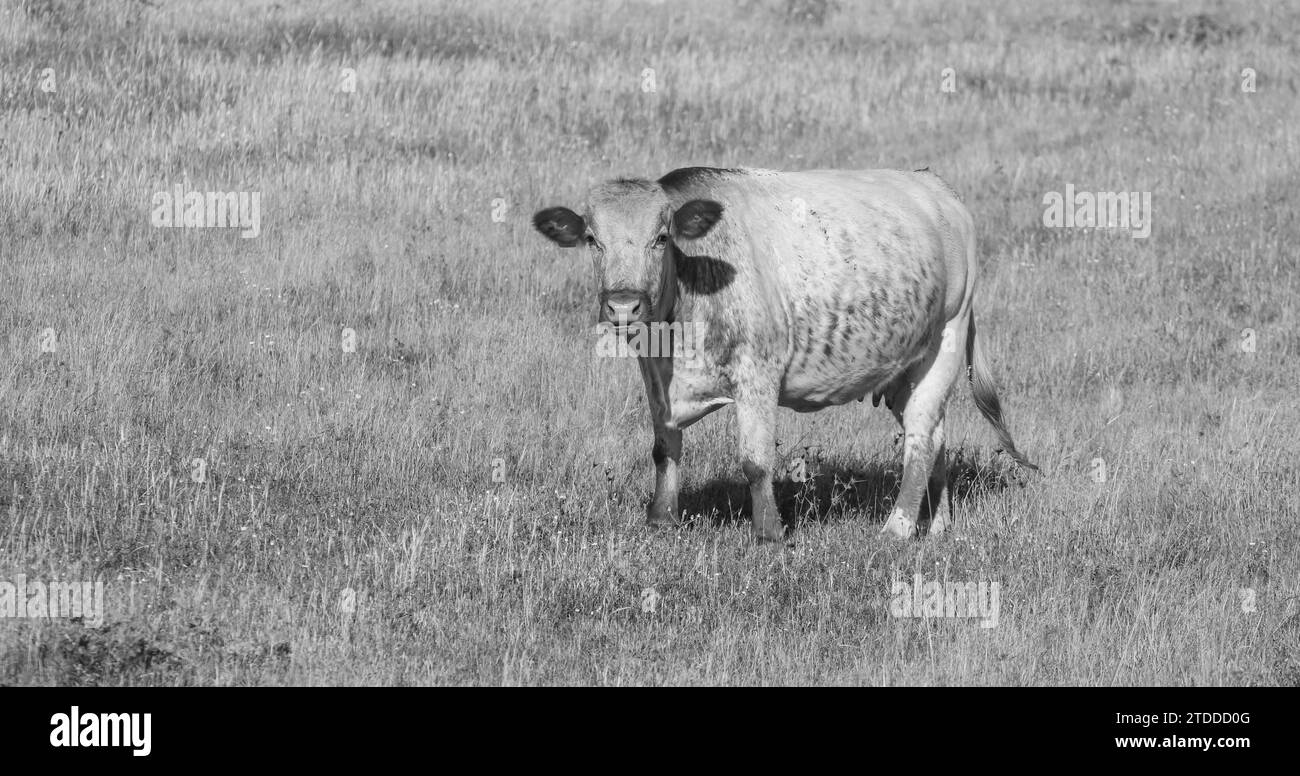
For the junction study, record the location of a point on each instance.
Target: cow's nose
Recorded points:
(623, 306)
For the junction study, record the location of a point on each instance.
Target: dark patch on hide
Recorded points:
(685, 176)
(703, 274)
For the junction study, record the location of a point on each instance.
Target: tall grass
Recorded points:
(349, 527)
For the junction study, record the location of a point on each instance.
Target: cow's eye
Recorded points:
(661, 241)
(591, 239)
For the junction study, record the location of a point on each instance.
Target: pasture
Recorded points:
(374, 444)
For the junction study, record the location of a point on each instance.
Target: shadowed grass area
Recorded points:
(373, 445)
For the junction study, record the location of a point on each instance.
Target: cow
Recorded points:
(816, 288)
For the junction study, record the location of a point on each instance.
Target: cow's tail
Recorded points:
(986, 395)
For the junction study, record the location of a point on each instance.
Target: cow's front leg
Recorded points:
(756, 424)
(667, 452)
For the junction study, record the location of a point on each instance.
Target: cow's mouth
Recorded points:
(625, 328)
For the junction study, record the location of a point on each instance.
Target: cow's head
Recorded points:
(631, 231)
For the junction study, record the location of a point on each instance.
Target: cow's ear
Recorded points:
(696, 218)
(561, 225)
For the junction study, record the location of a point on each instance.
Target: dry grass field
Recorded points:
(372, 444)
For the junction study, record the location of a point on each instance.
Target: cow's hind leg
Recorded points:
(937, 498)
(919, 406)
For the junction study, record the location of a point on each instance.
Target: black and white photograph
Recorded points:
(650, 343)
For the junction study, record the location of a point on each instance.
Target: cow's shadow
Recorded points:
(837, 491)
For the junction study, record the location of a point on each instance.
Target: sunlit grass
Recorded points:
(349, 528)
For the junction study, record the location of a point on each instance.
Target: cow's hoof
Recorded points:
(899, 527)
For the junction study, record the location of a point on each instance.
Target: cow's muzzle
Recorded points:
(623, 307)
